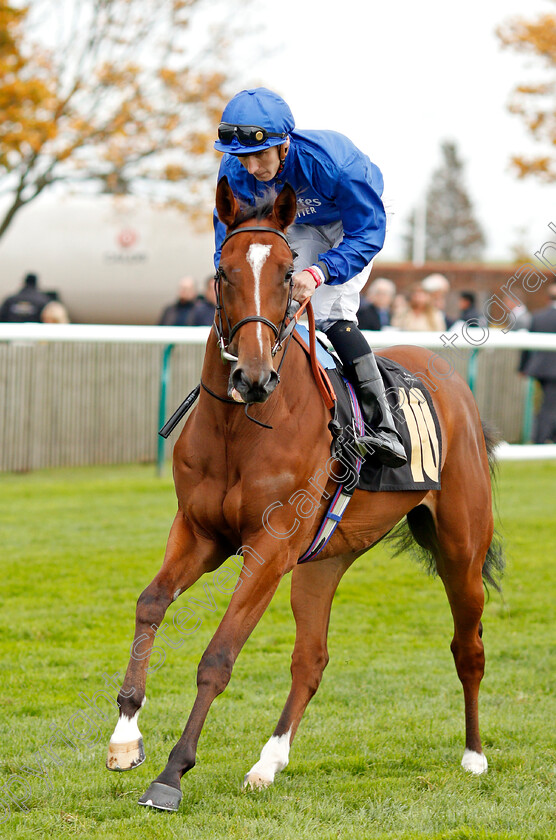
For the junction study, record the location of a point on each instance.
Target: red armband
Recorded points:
(315, 274)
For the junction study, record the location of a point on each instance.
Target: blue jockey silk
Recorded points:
(334, 181)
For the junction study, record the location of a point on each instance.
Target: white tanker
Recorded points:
(111, 260)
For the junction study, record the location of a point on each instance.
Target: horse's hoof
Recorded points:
(163, 797)
(474, 762)
(254, 781)
(125, 756)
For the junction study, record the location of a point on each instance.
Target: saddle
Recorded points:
(414, 415)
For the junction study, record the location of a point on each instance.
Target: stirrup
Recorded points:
(385, 446)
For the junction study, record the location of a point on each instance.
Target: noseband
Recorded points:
(280, 333)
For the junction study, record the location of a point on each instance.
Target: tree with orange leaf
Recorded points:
(124, 94)
(535, 102)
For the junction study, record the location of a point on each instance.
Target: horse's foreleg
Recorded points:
(186, 558)
(313, 587)
(262, 571)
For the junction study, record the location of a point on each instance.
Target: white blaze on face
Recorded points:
(256, 257)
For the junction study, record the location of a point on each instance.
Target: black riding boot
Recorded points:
(381, 437)
(358, 359)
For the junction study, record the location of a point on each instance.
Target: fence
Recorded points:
(74, 395)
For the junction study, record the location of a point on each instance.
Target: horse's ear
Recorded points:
(285, 207)
(226, 202)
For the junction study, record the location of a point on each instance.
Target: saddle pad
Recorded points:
(415, 419)
(417, 423)
(325, 358)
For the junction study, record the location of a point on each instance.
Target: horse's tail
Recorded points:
(495, 562)
(417, 532)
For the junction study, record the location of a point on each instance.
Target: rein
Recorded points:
(321, 377)
(234, 402)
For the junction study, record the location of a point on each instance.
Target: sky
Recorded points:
(398, 78)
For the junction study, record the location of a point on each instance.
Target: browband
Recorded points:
(255, 229)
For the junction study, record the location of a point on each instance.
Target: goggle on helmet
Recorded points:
(252, 121)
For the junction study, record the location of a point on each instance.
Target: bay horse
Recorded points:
(229, 473)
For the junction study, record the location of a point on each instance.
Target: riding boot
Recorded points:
(381, 437)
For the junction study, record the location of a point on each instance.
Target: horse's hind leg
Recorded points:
(466, 595)
(187, 557)
(312, 590)
(464, 531)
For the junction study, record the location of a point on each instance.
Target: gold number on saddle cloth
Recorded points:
(422, 433)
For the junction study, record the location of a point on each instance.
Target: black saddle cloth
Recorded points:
(416, 421)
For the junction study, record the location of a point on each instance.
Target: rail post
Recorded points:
(527, 431)
(472, 369)
(164, 379)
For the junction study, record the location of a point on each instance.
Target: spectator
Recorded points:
(438, 287)
(181, 312)
(374, 312)
(420, 313)
(468, 312)
(520, 317)
(541, 365)
(203, 313)
(399, 308)
(54, 313)
(26, 305)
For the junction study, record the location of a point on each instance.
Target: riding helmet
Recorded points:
(257, 107)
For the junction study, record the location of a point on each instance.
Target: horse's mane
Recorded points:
(261, 209)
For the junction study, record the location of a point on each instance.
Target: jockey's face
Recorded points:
(262, 165)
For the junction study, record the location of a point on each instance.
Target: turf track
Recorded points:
(378, 752)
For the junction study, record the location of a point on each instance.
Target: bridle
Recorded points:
(285, 330)
(280, 332)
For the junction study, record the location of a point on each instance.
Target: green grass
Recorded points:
(378, 752)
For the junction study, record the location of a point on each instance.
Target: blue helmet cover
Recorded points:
(261, 107)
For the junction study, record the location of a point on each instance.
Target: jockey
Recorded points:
(339, 228)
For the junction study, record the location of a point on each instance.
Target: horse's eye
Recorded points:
(289, 275)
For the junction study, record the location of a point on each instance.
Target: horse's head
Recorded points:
(254, 288)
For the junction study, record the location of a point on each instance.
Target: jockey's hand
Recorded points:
(304, 286)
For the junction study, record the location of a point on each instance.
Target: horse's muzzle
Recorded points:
(253, 390)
